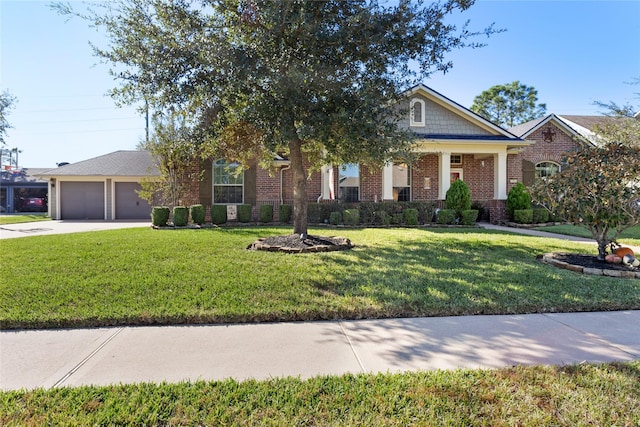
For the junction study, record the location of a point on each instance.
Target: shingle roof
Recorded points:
(588, 122)
(118, 163)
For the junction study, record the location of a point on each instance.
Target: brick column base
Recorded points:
(497, 211)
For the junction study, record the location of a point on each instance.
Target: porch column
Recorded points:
(387, 181)
(326, 173)
(500, 176)
(444, 175)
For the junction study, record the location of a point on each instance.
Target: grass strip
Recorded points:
(630, 236)
(19, 219)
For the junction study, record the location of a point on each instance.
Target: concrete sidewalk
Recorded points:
(55, 358)
(42, 228)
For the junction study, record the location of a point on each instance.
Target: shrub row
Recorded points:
(160, 215)
(372, 213)
(533, 216)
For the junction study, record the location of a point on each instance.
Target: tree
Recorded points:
(509, 105)
(600, 187)
(318, 81)
(7, 101)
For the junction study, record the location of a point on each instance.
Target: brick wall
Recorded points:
(542, 151)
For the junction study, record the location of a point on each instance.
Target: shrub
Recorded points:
(218, 214)
(410, 216)
(180, 216)
(351, 216)
(160, 215)
(396, 218)
(335, 218)
(480, 208)
(469, 217)
(518, 199)
(446, 216)
(284, 213)
(244, 213)
(523, 216)
(540, 215)
(318, 213)
(266, 213)
(197, 213)
(383, 218)
(458, 197)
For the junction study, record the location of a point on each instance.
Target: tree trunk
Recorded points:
(299, 187)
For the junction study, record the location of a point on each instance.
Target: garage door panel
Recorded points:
(128, 204)
(82, 200)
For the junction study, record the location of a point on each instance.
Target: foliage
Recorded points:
(335, 218)
(180, 216)
(290, 76)
(458, 197)
(383, 218)
(198, 214)
(218, 214)
(266, 213)
(540, 216)
(7, 102)
(469, 217)
(160, 215)
(244, 213)
(523, 216)
(480, 208)
(518, 198)
(599, 189)
(351, 216)
(446, 216)
(284, 213)
(410, 216)
(509, 105)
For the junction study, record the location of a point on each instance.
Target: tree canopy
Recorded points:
(509, 105)
(316, 80)
(7, 101)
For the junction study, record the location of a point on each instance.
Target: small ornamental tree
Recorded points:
(518, 199)
(458, 197)
(600, 188)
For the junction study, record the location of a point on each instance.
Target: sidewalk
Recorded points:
(57, 358)
(41, 228)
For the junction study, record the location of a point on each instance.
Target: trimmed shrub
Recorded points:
(410, 216)
(218, 214)
(335, 218)
(351, 216)
(396, 218)
(266, 213)
(383, 218)
(244, 213)
(481, 210)
(197, 214)
(458, 197)
(523, 216)
(318, 213)
(284, 213)
(180, 216)
(469, 217)
(160, 215)
(446, 216)
(518, 199)
(540, 215)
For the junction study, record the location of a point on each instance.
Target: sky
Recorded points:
(572, 52)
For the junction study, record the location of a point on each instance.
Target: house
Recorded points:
(22, 190)
(452, 142)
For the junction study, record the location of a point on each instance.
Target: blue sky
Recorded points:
(572, 52)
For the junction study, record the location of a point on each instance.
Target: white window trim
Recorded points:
(453, 163)
(412, 122)
(214, 185)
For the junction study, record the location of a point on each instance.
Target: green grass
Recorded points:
(17, 219)
(144, 276)
(579, 395)
(631, 236)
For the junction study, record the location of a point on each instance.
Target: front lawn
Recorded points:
(579, 395)
(144, 276)
(631, 236)
(17, 219)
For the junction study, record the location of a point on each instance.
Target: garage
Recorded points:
(128, 204)
(82, 200)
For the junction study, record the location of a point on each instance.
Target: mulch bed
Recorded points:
(589, 264)
(292, 243)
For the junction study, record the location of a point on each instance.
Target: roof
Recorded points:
(571, 127)
(118, 163)
(22, 176)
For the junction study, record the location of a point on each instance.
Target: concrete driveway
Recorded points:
(41, 228)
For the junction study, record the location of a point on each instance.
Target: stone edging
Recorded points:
(549, 259)
(342, 244)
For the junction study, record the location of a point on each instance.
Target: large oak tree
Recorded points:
(316, 80)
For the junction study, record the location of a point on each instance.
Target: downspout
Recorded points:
(281, 179)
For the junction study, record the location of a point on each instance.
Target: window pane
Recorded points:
(417, 112)
(349, 183)
(545, 169)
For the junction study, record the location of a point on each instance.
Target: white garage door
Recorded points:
(128, 204)
(82, 200)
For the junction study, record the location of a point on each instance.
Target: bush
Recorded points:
(481, 210)
(218, 214)
(244, 213)
(197, 213)
(523, 216)
(180, 216)
(383, 218)
(446, 216)
(266, 213)
(396, 218)
(410, 216)
(160, 215)
(335, 218)
(540, 215)
(318, 213)
(284, 213)
(469, 217)
(351, 216)
(458, 197)
(518, 199)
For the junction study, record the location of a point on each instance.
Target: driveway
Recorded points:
(40, 228)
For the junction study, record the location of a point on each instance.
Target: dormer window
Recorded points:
(417, 112)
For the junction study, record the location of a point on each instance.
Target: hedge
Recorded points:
(244, 213)
(446, 216)
(335, 218)
(410, 216)
(523, 216)
(540, 216)
(180, 216)
(160, 215)
(197, 213)
(284, 213)
(218, 214)
(266, 213)
(469, 217)
(351, 216)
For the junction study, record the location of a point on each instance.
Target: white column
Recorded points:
(326, 177)
(444, 175)
(500, 176)
(387, 181)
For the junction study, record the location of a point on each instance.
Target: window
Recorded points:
(228, 183)
(349, 183)
(456, 159)
(401, 182)
(417, 113)
(545, 169)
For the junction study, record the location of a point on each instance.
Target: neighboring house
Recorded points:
(21, 190)
(101, 188)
